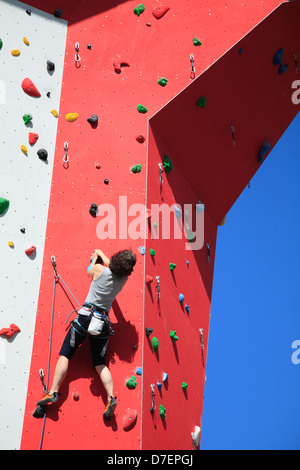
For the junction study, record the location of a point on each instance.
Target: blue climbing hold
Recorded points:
(159, 385)
(142, 250)
(139, 371)
(265, 148)
(282, 68)
(178, 212)
(181, 297)
(187, 308)
(165, 377)
(278, 57)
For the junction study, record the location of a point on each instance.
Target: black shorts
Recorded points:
(77, 334)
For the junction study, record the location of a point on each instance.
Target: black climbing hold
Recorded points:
(42, 154)
(89, 46)
(93, 119)
(40, 411)
(22, 230)
(148, 331)
(264, 150)
(106, 181)
(28, 12)
(50, 66)
(58, 13)
(93, 210)
(48, 94)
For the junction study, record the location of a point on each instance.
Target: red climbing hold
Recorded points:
(32, 137)
(29, 88)
(140, 138)
(129, 419)
(118, 64)
(9, 332)
(160, 11)
(30, 250)
(148, 279)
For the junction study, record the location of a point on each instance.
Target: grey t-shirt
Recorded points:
(104, 290)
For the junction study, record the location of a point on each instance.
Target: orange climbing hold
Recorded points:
(9, 332)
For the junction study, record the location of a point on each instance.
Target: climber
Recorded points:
(109, 277)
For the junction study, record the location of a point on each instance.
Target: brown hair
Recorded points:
(122, 263)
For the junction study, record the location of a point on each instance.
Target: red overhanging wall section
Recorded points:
(243, 89)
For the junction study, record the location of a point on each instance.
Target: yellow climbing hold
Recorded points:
(15, 52)
(24, 149)
(54, 112)
(11, 244)
(71, 117)
(25, 40)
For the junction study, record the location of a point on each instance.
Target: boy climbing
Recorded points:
(108, 280)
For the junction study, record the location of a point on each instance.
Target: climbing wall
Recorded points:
(141, 72)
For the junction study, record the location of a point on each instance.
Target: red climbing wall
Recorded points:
(206, 168)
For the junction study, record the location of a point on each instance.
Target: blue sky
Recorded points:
(252, 387)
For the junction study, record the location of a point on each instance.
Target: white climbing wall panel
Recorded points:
(25, 181)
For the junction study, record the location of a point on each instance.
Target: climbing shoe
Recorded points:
(110, 408)
(48, 399)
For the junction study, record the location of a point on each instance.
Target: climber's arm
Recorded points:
(105, 259)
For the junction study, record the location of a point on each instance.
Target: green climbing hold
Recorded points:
(162, 81)
(1, 44)
(27, 118)
(184, 385)
(131, 383)
(4, 203)
(162, 411)
(136, 168)
(173, 335)
(196, 42)
(172, 266)
(152, 252)
(141, 109)
(139, 9)
(191, 236)
(155, 344)
(201, 102)
(168, 165)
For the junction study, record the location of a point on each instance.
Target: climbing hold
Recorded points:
(15, 52)
(223, 221)
(89, 46)
(129, 419)
(196, 42)
(75, 396)
(50, 66)
(141, 109)
(32, 137)
(142, 250)
(24, 149)
(118, 64)
(196, 437)
(148, 279)
(131, 383)
(181, 297)
(148, 331)
(29, 88)
(139, 371)
(139, 9)
(136, 168)
(200, 207)
(71, 117)
(187, 263)
(162, 81)
(187, 309)
(201, 102)
(27, 118)
(42, 154)
(178, 212)
(97, 165)
(22, 230)
(4, 203)
(172, 266)
(162, 411)
(278, 57)
(25, 40)
(282, 68)
(173, 335)
(165, 377)
(9, 332)
(58, 13)
(106, 181)
(155, 343)
(93, 119)
(11, 244)
(264, 150)
(184, 385)
(1, 44)
(28, 12)
(30, 250)
(54, 112)
(140, 138)
(152, 252)
(168, 165)
(190, 236)
(93, 209)
(159, 385)
(159, 11)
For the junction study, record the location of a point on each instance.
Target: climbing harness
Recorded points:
(40, 410)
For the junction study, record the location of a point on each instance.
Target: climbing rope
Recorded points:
(57, 278)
